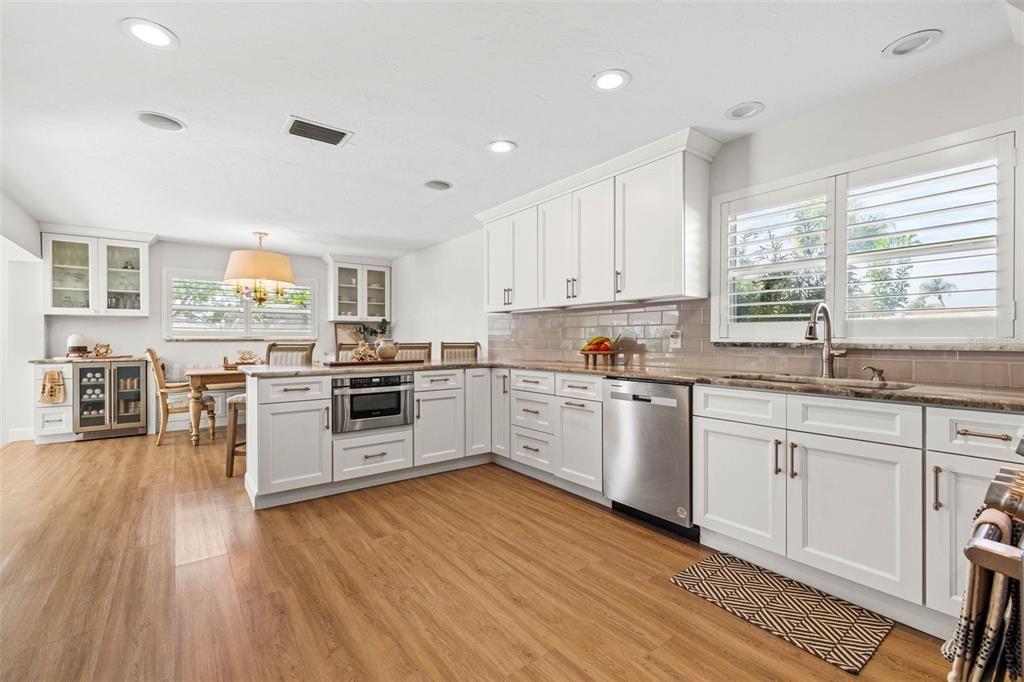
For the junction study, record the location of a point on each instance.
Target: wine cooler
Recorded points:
(110, 398)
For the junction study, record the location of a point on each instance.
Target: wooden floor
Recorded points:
(124, 561)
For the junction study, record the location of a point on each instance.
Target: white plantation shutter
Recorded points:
(200, 305)
(927, 245)
(775, 268)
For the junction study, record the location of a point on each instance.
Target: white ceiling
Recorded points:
(424, 87)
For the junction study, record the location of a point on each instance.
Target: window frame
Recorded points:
(245, 334)
(1010, 305)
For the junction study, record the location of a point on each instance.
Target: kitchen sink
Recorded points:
(862, 384)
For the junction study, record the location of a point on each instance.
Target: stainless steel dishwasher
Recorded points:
(647, 449)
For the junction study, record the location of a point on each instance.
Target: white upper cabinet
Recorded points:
(358, 292)
(91, 276)
(633, 228)
(555, 242)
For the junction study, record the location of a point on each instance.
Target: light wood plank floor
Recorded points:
(124, 561)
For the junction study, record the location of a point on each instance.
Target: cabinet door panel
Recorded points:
(555, 241)
(594, 248)
(539, 450)
(499, 241)
(535, 411)
(380, 451)
(524, 261)
(649, 230)
(69, 270)
(501, 408)
(854, 509)
(294, 445)
(739, 482)
(478, 411)
(123, 277)
(961, 483)
(375, 298)
(580, 428)
(440, 426)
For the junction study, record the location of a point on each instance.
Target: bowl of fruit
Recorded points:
(598, 347)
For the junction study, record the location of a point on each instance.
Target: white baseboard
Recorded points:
(916, 616)
(554, 481)
(24, 433)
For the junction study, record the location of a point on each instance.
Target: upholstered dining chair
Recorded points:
(414, 351)
(174, 398)
(460, 352)
(279, 353)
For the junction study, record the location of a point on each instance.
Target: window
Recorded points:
(916, 248)
(201, 306)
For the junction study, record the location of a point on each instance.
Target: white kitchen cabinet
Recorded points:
(532, 380)
(536, 449)
(292, 389)
(501, 410)
(535, 411)
(555, 244)
(661, 229)
(439, 431)
(294, 445)
(498, 254)
(358, 292)
(524, 261)
(593, 233)
(92, 276)
(767, 408)
(478, 410)
(881, 421)
(580, 460)
(956, 486)
(586, 386)
(854, 509)
(373, 452)
(739, 474)
(972, 432)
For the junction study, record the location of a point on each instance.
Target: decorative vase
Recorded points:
(386, 349)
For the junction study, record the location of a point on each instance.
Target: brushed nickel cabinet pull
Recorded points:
(776, 469)
(582, 388)
(288, 389)
(792, 460)
(417, 408)
(936, 504)
(618, 281)
(504, 384)
(573, 287)
(527, 447)
(530, 381)
(434, 381)
(567, 294)
(376, 454)
(982, 434)
(526, 409)
(327, 419)
(574, 404)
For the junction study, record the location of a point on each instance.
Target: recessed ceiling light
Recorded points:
(612, 79)
(501, 146)
(744, 110)
(150, 32)
(439, 185)
(160, 121)
(912, 43)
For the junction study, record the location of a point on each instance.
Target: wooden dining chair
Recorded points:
(174, 398)
(460, 352)
(279, 353)
(414, 351)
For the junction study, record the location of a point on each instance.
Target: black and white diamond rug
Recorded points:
(831, 628)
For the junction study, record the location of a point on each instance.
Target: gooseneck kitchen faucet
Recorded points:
(828, 355)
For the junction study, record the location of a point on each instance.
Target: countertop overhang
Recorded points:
(1006, 400)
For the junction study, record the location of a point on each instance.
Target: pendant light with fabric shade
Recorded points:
(257, 274)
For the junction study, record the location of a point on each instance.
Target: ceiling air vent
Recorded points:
(301, 127)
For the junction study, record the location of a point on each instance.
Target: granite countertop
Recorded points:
(1010, 400)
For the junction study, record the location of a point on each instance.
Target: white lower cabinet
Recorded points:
(478, 411)
(535, 411)
(53, 421)
(536, 449)
(501, 410)
(581, 458)
(854, 510)
(439, 431)
(379, 451)
(956, 486)
(739, 474)
(294, 445)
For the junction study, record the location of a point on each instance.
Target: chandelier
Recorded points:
(259, 275)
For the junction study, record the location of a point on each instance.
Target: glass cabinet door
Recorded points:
(347, 294)
(129, 399)
(91, 399)
(70, 274)
(123, 273)
(377, 294)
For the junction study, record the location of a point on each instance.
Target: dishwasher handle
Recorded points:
(647, 399)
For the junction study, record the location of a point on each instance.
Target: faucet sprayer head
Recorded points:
(812, 331)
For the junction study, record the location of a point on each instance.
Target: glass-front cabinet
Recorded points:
(93, 276)
(358, 292)
(91, 397)
(128, 403)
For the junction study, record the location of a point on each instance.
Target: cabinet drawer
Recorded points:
(579, 386)
(50, 421)
(64, 367)
(290, 389)
(885, 423)
(969, 432)
(535, 411)
(435, 380)
(540, 450)
(751, 407)
(537, 382)
(384, 450)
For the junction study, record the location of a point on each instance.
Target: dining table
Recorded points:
(200, 379)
